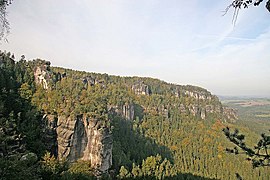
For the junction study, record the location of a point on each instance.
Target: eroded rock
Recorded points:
(83, 138)
(141, 89)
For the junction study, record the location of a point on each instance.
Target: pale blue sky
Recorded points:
(183, 42)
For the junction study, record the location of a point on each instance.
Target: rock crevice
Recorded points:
(80, 138)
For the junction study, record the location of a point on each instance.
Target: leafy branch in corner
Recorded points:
(243, 4)
(4, 24)
(259, 155)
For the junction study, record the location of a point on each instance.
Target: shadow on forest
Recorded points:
(131, 146)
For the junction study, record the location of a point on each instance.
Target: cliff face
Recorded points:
(141, 88)
(80, 138)
(204, 103)
(41, 74)
(230, 114)
(126, 111)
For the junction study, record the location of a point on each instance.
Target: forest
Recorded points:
(159, 130)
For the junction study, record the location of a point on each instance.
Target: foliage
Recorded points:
(164, 137)
(243, 4)
(153, 166)
(18, 117)
(14, 168)
(52, 168)
(259, 155)
(4, 24)
(239, 4)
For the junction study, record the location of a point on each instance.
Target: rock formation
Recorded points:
(141, 89)
(230, 114)
(126, 111)
(81, 138)
(41, 73)
(199, 95)
(49, 132)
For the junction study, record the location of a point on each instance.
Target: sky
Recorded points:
(182, 42)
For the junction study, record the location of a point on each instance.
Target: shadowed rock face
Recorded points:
(83, 138)
(127, 111)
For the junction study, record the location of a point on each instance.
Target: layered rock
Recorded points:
(81, 138)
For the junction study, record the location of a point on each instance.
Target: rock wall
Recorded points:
(230, 114)
(204, 103)
(49, 133)
(140, 88)
(40, 73)
(81, 138)
(126, 111)
(199, 95)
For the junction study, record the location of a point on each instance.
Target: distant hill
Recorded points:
(253, 112)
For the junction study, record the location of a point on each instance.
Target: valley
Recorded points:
(253, 112)
(77, 124)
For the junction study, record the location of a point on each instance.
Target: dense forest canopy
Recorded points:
(159, 129)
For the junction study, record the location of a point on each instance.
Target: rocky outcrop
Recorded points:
(199, 95)
(99, 145)
(41, 73)
(230, 114)
(140, 88)
(202, 103)
(126, 111)
(81, 138)
(49, 132)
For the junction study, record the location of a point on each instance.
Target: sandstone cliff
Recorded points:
(126, 110)
(80, 138)
(141, 88)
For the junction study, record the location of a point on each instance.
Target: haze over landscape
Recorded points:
(132, 89)
(183, 42)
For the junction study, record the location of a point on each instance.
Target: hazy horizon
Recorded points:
(179, 42)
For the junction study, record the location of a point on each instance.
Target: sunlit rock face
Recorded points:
(41, 74)
(140, 88)
(199, 95)
(230, 114)
(128, 111)
(82, 138)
